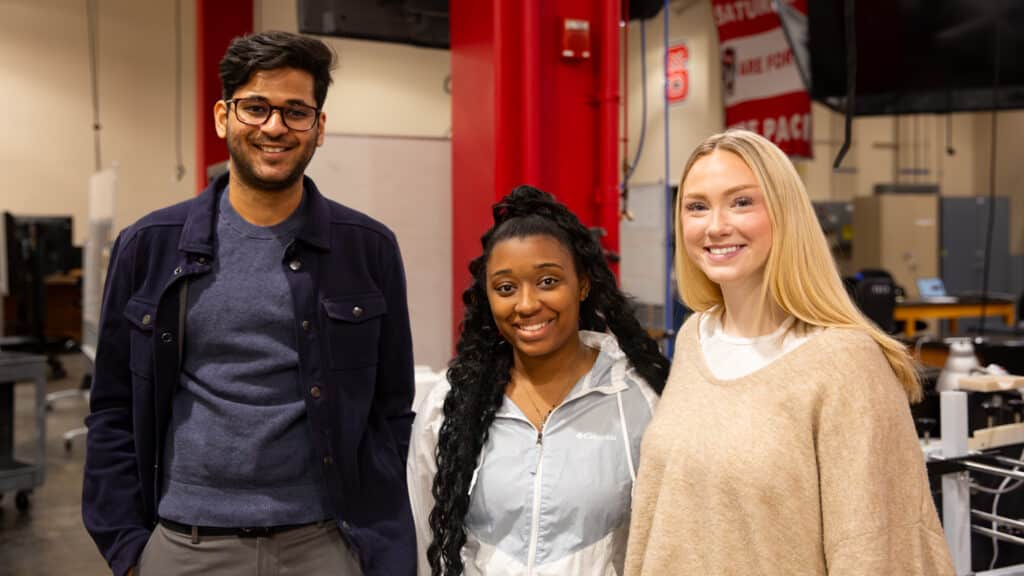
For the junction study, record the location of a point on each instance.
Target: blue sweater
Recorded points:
(238, 446)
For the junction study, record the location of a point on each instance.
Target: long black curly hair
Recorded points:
(479, 373)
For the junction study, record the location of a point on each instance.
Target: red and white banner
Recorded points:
(761, 83)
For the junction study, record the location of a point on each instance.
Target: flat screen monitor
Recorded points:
(48, 237)
(36, 247)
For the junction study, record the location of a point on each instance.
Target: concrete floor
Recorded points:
(49, 538)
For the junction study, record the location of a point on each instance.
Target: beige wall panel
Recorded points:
(690, 122)
(817, 176)
(1010, 173)
(46, 86)
(414, 199)
(899, 233)
(956, 171)
(379, 88)
(1009, 179)
(866, 236)
(872, 153)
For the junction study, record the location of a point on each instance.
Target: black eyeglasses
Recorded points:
(256, 112)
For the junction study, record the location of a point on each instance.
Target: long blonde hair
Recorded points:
(800, 274)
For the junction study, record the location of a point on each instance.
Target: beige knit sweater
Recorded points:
(808, 466)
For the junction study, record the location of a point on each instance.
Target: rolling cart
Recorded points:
(15, 476)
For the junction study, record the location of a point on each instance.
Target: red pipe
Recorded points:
(625, 92)
(530, 137)
(607, 173)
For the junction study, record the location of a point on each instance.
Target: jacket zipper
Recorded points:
(535, 517)
(538, 476)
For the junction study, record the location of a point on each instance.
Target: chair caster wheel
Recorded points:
(21, 501)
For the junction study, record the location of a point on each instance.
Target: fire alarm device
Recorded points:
(575, 38)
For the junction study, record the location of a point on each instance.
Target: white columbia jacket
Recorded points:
(556, 503)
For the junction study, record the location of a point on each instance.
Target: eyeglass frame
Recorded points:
(280, 112)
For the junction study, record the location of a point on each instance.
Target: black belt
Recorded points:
(255, 532)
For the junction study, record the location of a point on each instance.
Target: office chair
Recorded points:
(1018, 328)
(898, 291)
(876, 298)
(82, 392)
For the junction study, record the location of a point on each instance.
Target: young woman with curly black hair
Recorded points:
(524, 460)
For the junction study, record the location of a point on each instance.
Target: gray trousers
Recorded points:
(313, 550)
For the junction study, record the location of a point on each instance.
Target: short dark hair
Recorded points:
(272, 50)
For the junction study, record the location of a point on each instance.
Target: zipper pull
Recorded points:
(543, 423)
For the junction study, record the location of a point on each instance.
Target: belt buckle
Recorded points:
(257, 532)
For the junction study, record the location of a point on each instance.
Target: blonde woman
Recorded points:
(783, 443)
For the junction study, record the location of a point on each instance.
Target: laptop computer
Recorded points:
(933, 290)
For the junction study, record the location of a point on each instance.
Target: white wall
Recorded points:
(690, 122)
(379, 88)
(388, 154)
(405, 183)
(643, 241)
(46, 156)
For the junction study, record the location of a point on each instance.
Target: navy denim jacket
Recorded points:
(355, 362)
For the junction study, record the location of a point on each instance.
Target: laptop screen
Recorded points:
(930, 287)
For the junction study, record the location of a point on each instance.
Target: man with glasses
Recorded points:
(252, 393)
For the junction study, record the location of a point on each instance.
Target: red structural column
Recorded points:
(474, 130)
(522, 113)
(606, 187)
(217, 23)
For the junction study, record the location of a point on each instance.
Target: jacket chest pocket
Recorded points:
(140, 316)
(353, 325)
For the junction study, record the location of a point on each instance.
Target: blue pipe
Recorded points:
(669, 205)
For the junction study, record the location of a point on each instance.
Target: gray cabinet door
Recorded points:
(964, 224)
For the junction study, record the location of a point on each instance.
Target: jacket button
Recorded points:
(357, 311)
(306, 325)
(167, 337)
(177, 270)
(295, 265)
(146, 319)
(314, 391)
(201, 259)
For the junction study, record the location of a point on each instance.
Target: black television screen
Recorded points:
(415, 22)
(919, 56)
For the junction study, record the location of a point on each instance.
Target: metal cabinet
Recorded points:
(964, 225)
